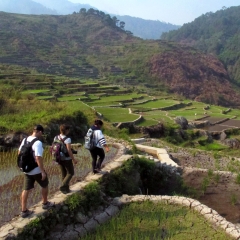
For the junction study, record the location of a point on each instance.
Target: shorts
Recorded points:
(30, 180)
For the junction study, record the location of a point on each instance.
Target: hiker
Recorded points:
(66, 166)
(97, 151)
(38, 173)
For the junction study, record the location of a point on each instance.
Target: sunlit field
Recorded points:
(11, 180)
(148, 220)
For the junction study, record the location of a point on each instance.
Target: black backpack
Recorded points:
(25, 160)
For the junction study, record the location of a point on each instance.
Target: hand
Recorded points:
(107, 149)
(44, 175)
(75, 161)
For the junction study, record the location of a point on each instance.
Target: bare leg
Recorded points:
(24, 198)
(44, 194)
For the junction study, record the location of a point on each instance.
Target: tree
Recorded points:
(122, 25)
(83, 10)
(91, 11)
(115, 20)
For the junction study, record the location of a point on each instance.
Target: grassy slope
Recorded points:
(157, 221)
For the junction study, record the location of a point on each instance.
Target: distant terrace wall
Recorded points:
(128, 124)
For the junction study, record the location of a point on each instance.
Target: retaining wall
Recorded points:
(88, 223)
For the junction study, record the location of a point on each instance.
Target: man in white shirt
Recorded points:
(36, 174)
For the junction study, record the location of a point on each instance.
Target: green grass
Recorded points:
(69, 98)
(35, 91)
(213, 147)
(117, 114)
(26, 113)
(189, 114)
(148, 220)
(156, 104)
(147, 122)
(117, 98)
(45, 97)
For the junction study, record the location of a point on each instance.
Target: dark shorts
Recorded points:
(30, 180)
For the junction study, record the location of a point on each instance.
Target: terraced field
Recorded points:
(116, 103)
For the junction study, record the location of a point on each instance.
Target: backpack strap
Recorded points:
(32, 142)
(62, 139)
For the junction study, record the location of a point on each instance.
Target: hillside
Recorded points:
(90, 45)
(217, 33)
(146, 29)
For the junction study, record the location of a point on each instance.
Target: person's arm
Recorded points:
(39, 161)
(68, 145)
(38, 153)
(102, 141)
(21, 146)
(106, 147)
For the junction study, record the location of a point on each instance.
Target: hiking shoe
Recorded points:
(65, 191)
(96, 171)
(47, 205)
(26, 213)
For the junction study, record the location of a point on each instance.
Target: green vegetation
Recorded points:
(86, 200)
(19, 113)
(156, 104)
(148, 220)
(89, 45)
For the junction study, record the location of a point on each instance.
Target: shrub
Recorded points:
(205, 184)
(89, 198)
(238, 179)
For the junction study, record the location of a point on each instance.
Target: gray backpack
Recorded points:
(89, 140)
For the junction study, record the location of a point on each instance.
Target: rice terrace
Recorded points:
(118, 104)
(177, 97)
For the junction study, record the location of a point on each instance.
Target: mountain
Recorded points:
(216, 33)
(63, 6)
(89, 45)
(146, 29)
(24, 7)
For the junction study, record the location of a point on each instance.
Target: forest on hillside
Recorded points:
(216, 33)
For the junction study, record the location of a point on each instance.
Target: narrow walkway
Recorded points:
(87, 223)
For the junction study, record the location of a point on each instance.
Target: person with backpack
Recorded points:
(66, 164)
(97, 152)
(30, 161)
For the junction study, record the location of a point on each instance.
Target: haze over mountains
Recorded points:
(146, 29)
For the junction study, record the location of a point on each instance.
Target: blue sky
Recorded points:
(172, 11)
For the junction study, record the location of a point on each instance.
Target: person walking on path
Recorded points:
(66, 166)
(98, 153)
(37, 174)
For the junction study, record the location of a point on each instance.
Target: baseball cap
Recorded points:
(39, 128)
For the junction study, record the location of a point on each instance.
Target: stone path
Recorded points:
(88, 223)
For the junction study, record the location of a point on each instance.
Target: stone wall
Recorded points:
(86, 223)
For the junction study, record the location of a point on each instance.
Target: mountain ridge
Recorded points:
(89, 45)
(146, 29)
